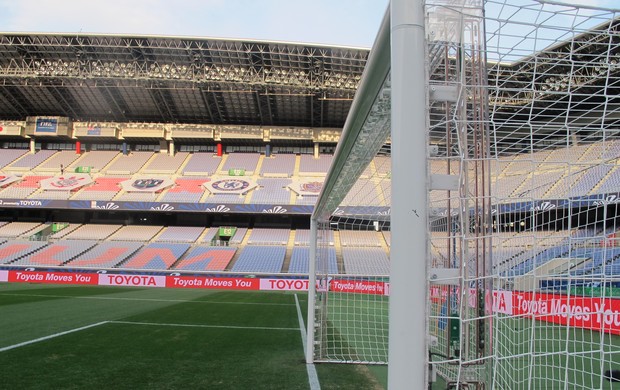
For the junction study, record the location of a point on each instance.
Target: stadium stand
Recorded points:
(359, 238)
(129, 164)
(164, 163)
(263, 259)
(135, 233)
(387, 236)
(365, 261)
(278, 165)
(57, 253)
(180, 234)
(302, 237)
(137, 196)
(300, 258)
(306, 200)
(23, 188)
(363, 192)
(590, 178)
(106, 254)
(8, 156)
(52, 194)
(104, 188)
(96, 160)
(64, 231)
(185, 190)
(62, 158)
(271, 190)
(246, 161)
(610, 183)
(201, 164)
(268, 236)
(311, 166)
(225, 198)
(29, 161)
(12, 250)
(383, 165)
(16, 229)
(239, 236)
(93, 232)
(157, 255)
(210, 234)
(206, 258)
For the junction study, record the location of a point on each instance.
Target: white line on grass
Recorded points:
(313, 378)
(51, 336)
(200, 325)
(146, 299)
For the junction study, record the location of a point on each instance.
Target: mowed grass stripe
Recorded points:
(27, 320)
(200, 325)
(201, 301)
(11, 294)
(127, 356)
(122, 356)
(50, 336)
(276, 316)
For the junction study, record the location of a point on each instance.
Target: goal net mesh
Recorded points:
(523, 165)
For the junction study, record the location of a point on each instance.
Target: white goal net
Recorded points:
(523, 174)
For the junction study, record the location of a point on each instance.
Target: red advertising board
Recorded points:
(601, 314)
(359, 287)
(52, 277)
(211, 282)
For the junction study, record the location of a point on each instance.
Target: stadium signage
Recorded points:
(132, 280)
(52, 277)
(93, 131)
(284, 284)
(46, 126)
(359, 287)
(216, 283)
(600, 314)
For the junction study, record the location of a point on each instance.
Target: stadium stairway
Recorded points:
(602, 181)
(259, 165)
(339, 257)
(103, 171)
(296, 167)
(218, 170)
(384, 244)
(289, 251)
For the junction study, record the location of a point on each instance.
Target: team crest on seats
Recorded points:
(143, 184)
(232, 185)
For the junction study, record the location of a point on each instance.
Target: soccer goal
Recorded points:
(486, 167)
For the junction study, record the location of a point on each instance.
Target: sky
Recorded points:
(331, 22)
(336, 22)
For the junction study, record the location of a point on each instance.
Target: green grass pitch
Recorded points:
(130, 338)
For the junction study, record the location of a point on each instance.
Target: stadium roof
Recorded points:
(124, 78)
(177, 79)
